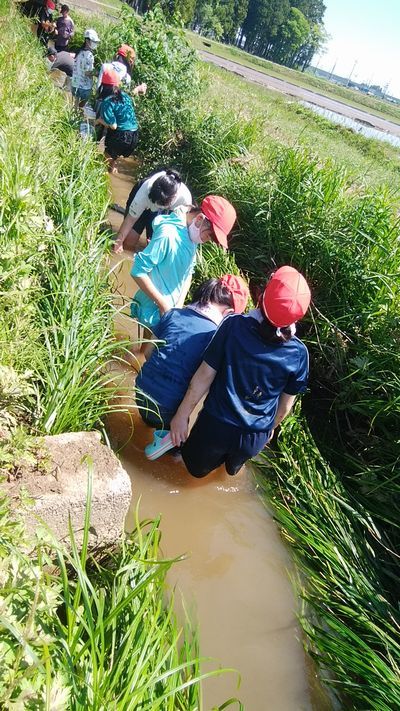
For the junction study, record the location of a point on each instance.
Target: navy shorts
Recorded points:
(153, 415)
(213, 442)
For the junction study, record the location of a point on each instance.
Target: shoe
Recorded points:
(161, 444)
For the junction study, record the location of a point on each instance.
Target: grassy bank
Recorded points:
(377, 107)
(55, 313)
(288, 123)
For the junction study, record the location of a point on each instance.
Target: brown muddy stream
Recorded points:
(235, 578)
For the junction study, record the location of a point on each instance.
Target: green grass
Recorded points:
(351, 97)
(288, 123)
(92, 633)
(351, 625)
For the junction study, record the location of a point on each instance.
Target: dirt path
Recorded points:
(298, 92)
(101, 8)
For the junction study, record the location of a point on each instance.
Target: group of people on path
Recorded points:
(249, 367)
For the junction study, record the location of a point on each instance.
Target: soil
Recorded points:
(39, 473)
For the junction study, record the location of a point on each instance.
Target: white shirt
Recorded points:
(84, 62)
(142, 202)
(118, 67)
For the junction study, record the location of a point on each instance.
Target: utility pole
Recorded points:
(333, 69)
(351, 73)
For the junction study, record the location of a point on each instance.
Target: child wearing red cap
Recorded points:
(46, 24)
(252, 371)
(163, 270)
(122, 63)
(117, 114)
(186, 333)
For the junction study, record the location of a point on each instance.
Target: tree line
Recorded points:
(289, 32)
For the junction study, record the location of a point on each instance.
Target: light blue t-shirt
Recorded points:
(168, 260)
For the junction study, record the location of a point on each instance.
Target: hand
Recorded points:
(118, 246)
(271, 434)
(179, 428)
(142, 88)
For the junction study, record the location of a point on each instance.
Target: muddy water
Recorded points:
(235, 577)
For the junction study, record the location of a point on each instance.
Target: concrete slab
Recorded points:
(61, 490)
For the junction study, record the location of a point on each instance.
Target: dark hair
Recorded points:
(123, 60)
(104, 91)
(213, 291)
(165, 188)
(268, 331)
(64, 8)
(116, 93)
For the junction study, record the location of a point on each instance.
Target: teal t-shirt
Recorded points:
(120, 112)
(168, 260)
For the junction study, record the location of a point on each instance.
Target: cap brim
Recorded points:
(220, 237)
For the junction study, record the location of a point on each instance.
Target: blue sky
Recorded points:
(366, 32)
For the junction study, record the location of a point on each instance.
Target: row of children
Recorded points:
(115, 110)
(248, 367)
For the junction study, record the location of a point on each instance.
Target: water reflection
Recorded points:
(357, 126)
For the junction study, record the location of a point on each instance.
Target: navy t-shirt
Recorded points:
(252, 374)
(166, 375)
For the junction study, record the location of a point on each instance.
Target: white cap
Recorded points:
(92, 35)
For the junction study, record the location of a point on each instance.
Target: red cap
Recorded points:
(50, 5)
(286, 297)
(222, 216)
(125, 50)
(239, 290)
(110, 77)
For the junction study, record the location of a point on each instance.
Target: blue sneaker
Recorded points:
(161, 444)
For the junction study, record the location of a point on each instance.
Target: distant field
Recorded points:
(287, 122)
(305, 80)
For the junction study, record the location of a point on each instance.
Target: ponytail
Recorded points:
(272, 334)
(116, 94)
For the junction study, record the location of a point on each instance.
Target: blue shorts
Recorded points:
(82, 94)
(213, 442)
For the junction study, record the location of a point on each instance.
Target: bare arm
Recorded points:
(140, 89)
(147, 349)
(285, 405)
(146, 285)
(199, 386)
(107, 125)
(126, 227)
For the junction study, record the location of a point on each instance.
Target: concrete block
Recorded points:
(61, 490)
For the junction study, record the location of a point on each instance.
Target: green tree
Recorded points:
(263, 20)
(314, 44)
(207, 19)
(292, 34)
(313, 10)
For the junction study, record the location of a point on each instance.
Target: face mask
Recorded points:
(194, 232)
(92, 44)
